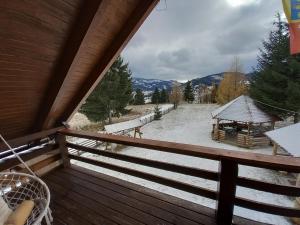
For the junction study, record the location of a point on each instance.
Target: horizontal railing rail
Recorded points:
(227, 177)
(28, 140)
(289, 164)
(206, 174)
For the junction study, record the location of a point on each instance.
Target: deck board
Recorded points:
(82, 196)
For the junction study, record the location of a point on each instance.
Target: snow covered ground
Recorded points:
(192, 124)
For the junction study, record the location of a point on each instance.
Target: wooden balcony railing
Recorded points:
(227, 176)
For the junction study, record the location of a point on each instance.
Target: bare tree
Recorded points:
(175, 95)
(233, 84)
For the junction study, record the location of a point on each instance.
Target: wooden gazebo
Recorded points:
(52, 54)
(242, 123)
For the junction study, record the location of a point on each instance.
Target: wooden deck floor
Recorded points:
(84, 197)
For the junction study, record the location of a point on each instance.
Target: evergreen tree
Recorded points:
(157, 113)
(189, 92)
(155, 96)
(139, 98)
(277, 76)
(163, 98)
(111, 95)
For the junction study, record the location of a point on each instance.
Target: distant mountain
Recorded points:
(214, 79)
(151, 84)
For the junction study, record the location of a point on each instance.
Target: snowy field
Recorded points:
(192, 124)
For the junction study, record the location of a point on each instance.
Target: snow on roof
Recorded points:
(288, 138)
(242, 109)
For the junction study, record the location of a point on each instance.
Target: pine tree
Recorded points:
(163, 96)
(155, 96)
(157, 113)
(189, 92)
(139, 98)
(277, 76)
(111, 95)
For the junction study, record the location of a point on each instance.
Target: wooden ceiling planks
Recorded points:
(51, 56)
(32, 34)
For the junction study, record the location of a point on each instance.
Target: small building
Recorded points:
(242, 123)
(287, 139)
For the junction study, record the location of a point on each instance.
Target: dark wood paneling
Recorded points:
(32, 34)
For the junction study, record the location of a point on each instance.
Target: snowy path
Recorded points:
(192, 124)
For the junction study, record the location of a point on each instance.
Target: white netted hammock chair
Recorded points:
(24, 198)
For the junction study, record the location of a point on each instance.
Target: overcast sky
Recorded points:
(194, 38)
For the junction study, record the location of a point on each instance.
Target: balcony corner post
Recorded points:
(61, 140)
(228, 172)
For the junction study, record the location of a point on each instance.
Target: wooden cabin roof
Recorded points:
(52, 54)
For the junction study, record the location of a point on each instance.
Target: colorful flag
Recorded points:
(292, 12)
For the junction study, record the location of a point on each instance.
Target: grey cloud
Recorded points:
(194, 38)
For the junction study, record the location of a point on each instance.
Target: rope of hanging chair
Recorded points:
(17, 155)
(48, 215)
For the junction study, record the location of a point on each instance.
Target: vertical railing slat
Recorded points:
(228, 172)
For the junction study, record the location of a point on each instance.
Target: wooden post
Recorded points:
(134, 133)
(228, 172)
(275, 148)
(217, 129)
(297, 201)
(273, 125)
(61, 140)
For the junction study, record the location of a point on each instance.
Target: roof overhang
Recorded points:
(53, 53)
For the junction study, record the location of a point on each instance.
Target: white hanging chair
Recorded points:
(18, 187)
(15, 188)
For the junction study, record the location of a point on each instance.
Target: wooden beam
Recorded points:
(76, 36)
(112, 52)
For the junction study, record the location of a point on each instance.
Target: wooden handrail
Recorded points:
(289, 164)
